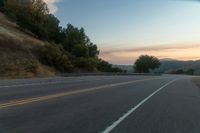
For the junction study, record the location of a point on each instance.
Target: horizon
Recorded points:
(165, 29)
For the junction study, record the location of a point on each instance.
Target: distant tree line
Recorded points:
(69, 48)
(181, 71)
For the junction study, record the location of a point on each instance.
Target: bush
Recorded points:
(87, 64)
(117, 70)
(33, 15)
(53, 55)
(80, 51)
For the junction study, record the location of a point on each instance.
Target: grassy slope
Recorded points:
(17, 59)
(197, 81)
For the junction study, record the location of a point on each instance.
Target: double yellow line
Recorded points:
(58, 95)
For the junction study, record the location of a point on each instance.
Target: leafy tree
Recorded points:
(54, 31)
(33, 15)
(103, 66)
(76, 38)
(73, 37)
(80, 51)
(93, 50)
(117, 70)
(70, 47)
(146, 63)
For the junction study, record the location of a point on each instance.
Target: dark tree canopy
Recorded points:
(78, 43)
(145, 63)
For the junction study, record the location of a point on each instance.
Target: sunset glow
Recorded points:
(128, 56)
(124, 30)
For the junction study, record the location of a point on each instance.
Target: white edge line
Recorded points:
(116, 123)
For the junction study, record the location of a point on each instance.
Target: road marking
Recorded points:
(116, 123)
(53, 96)
(48, 83)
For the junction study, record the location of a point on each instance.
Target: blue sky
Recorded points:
(119, 26)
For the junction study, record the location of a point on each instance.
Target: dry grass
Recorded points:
(197, 81)
(17, 57)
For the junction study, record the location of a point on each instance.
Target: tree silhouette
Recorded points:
(146, 63)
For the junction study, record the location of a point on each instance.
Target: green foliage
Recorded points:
(181, 71)
(146, 63)
(77, 42)
(93, 50)
(104, 66)
(73, 37)
(75, 48)
(33, 15)
(80, 50)
(87, 64)
(53, 55)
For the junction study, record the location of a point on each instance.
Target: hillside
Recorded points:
(169, 65)
(17, 55)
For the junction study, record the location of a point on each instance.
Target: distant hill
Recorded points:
(128, 68)
(170, 65)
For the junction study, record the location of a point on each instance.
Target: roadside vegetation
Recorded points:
(181, 71)
(66, 49)
(197, 81)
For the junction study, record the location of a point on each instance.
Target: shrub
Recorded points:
(53, 55)
(87, 64)
(32, 67)
(80, 51)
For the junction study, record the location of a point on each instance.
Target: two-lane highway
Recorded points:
(100, 104)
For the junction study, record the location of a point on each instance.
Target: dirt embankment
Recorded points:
(18, 58)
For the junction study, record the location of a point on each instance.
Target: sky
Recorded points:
(126, 29)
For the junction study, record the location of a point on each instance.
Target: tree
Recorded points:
(33, 16)
(78, 43)
(93, 50)
(146, 63)
(73, 37)
(80, 51)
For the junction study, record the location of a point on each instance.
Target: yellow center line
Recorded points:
(53, 96)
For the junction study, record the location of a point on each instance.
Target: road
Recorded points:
(100, 104)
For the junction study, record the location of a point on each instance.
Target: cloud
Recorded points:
(153, 48)
(52, 5)
(176, 51)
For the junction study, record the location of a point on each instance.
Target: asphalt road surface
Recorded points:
(100, 104)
